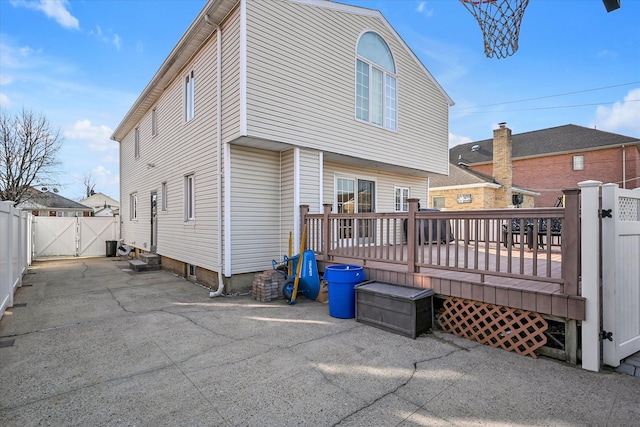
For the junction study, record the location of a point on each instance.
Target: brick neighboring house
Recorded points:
(549, 160)
(467, 189)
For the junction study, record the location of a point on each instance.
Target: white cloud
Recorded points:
(110, 38)
(55, 9)
(116, 41)
(422, 8)
(457, 140)
(97, 137)
(621, 117)
(5, 102)
(139, 47)
(5, 79)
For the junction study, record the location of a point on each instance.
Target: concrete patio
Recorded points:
(88, 343)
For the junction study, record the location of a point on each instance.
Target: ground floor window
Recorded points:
(133, 206)
(402, 199)
(189, 198)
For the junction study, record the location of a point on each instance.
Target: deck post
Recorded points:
(326, 238)
(591, 346)
(571, 241)
(411, 235)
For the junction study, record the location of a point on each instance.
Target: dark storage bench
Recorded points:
(400, 309)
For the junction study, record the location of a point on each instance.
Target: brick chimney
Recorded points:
(502, 167)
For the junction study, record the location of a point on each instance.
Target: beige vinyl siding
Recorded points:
(179, 149)
(231, 77)
(385, 184)
(255, 206)
(310, 180)
(287, 205)
(301, 87)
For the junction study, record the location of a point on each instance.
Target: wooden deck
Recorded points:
(483, 259)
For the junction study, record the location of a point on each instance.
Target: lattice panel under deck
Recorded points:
(501, 327)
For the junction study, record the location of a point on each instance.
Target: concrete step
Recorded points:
(150, 258)
(138, 265)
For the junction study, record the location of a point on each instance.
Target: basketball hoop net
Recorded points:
(500, 24)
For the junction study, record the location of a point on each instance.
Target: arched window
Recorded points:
(376, 85)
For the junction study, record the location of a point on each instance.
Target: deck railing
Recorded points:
(511, 243)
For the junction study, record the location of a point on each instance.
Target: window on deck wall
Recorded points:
(376, 83)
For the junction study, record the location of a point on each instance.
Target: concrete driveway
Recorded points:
(90, 344)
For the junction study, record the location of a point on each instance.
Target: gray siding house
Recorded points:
(264, 106)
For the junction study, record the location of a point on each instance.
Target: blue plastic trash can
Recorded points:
(342, 280)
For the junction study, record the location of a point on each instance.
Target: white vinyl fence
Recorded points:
(15, 256)
(73, 236)
(617, 219)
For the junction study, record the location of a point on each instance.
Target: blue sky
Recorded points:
(83, 63)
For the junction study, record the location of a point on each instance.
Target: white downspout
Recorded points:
(220, 170)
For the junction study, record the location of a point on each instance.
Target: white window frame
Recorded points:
(401, 199)
(387, 99)
(164, 203)
(189, 96)
(189, 197)
(133, 206)
(578, 162)
(136, 142)
(154, 122)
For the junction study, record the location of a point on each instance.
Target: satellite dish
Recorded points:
(123, 250)
(475, 147)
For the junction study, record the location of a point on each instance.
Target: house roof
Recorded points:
(200, 29)
(49, 200)
(557, 140)
(98, 200)
(460, 176)
(204, 25)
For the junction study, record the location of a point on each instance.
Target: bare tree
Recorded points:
(29, 147)
(89, 185)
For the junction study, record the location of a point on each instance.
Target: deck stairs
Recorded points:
(146, 262)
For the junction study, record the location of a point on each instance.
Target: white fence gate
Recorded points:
(620, 273)
(73, 236)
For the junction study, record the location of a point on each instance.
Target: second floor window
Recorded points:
(154, 122)
(376, 84)
(136, 142)
(578, 163)
(189, 96)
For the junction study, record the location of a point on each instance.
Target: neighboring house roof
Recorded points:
(53, 201)
(213, 13)
(99, 200)
(461, 177)
(556, 140)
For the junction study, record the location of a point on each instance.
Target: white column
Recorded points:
(590, 242)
